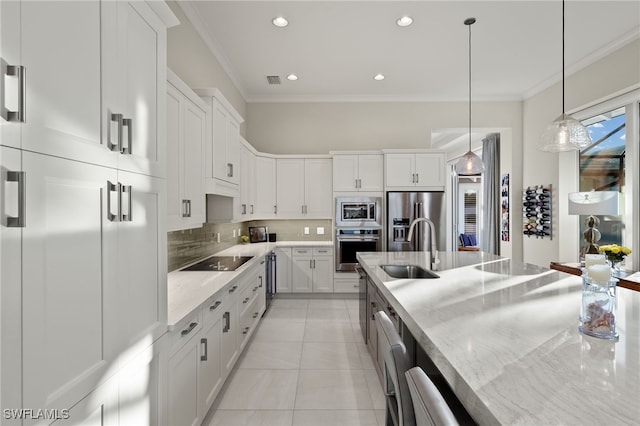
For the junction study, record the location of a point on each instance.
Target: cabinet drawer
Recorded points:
(302, 251)
(184, 332)
(342, 285)
(323, 251)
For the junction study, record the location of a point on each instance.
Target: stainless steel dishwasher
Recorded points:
(270, 272)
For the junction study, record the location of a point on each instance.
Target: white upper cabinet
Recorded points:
(266, 187)
(357, 172)
(304, 188)
(247, 205)
(134, 86)
(415, 170)
(222, 152)
(61, 103)
(186, 135)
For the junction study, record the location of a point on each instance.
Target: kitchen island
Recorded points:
(504, 335)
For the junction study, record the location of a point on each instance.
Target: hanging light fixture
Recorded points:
(469, 163)
(565, 133)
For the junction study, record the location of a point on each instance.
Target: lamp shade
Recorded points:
(595, 203)
(565, 133)
(469, 164)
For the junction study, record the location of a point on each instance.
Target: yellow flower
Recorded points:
(615, 249)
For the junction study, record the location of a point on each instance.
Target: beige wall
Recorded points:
(317, 128)
(190, 58)
(612, 74)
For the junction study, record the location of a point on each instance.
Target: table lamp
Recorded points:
(593, 203)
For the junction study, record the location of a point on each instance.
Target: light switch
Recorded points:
(320, 230)
(306, 230)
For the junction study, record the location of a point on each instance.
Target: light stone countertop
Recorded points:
(187, 291)
(505, 336)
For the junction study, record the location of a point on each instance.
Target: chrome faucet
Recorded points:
(434, 250)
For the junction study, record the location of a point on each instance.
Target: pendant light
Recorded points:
(565, 133)
(469, 163)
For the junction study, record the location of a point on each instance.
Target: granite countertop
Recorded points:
(505, 336)
(187, 291)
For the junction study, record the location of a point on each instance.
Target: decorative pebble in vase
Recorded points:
(597, 313)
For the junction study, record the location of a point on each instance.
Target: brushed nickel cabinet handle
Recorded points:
(20, 220)
(129, 125)
(227, 322)
(125, 189)
(189, 329)
(18, 71)
(112, 188)
(118, 145)
(215, 305)
(232, 289)
(203, 341)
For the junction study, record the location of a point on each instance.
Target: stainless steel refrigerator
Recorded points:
(403, 208)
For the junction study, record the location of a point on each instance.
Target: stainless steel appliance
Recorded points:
(359, 212)
(219, 263)
(350, 241)
(403, 208)
(270, 272)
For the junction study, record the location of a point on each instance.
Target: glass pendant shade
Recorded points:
(469, 164)
(565, 133)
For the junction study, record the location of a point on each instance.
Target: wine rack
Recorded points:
(536, 212)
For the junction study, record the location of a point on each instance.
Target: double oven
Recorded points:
(358, 229)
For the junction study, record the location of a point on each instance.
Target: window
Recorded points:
(602, 166)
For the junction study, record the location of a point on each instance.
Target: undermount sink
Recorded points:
(408, 271)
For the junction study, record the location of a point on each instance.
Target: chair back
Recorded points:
(396, 363)
(429, 406)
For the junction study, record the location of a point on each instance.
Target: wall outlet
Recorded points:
(239, 232)
(320, 230)
(306, 230)
(233, 233)
(217, 237)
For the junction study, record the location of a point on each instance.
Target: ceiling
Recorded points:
(336, 47)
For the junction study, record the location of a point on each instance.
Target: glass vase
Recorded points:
(615, 267)
(597, 313)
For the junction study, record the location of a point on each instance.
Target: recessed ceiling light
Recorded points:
(378, 77)
(292, 77)
(280, 21)
(404, 21)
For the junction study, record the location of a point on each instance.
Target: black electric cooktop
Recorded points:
(219, 263)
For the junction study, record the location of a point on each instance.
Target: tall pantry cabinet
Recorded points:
(83, 232)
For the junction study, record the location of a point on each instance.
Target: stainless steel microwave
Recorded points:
(360, 212)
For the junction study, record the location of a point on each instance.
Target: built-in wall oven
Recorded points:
(351, 241)
(358, 229)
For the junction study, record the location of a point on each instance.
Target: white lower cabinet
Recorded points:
(312, 270)
(205, 347)
(283, 269)
(345, 282)
(184, 361)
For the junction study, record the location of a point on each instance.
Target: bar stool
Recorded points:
(429, 406)
(396, 363)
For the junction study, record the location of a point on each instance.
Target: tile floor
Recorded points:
(306, 365)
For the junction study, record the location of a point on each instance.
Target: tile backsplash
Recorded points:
(184, 247)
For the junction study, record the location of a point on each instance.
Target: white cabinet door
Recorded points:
(400, 170)
(10, 282)
(354, 173)
(99, 408)
(345, 173)
(175, 123)
(283, 269)
(60, 50)
(195, 132)
(301, 270)
(182, 380)
(266, 187)
(141, 266)
(226, 144)
(323, 267)
(70, 313)
(186, 133)
(247, 184)
(290, 188)
(10, 132)
(317, 188)
(430, 170)
(134, 85)
(229, 340)
(210, 373)
(142, 385)
(370, 172)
